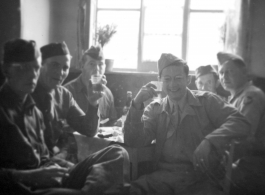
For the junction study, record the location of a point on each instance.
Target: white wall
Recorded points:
(257, 44)
(35, 20)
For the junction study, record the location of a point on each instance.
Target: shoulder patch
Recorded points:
(248, 100)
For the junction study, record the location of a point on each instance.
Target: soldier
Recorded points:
(249, 174)
(190, 128)
(93, 63)
(58, 106)
(25, 163)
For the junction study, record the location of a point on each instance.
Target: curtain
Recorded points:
(82, 28)
(237, 28)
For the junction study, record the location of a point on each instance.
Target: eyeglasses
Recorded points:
(168, 79)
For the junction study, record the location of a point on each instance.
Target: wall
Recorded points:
(257, 43)
(35, 20)
(50, 21)
(63, 24)
(9, 24)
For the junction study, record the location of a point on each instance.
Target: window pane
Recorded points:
(205, 38)
(207, 4)
(162, 28)
(163, 20)
(166, 3)
(155, 45)
(123, 47)
(119, 4)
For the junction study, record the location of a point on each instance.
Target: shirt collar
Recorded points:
(189, 100)
(180, 104)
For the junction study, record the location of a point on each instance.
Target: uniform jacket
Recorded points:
(250, 101)
(21, 132)
(63, 109)
(208, 117)
(106, 103)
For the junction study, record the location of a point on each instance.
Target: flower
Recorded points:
(104, 34)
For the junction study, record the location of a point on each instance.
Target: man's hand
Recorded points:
(41, 177)
(201, 156)
(145, 93)
(94, 95)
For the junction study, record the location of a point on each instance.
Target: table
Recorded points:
(89, 145)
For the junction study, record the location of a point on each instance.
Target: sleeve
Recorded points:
(252, 107)
(84, 123)
(140, 126)
(107, 108)
(228, 121)
(113, 114)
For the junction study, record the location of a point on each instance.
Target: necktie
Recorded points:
(174, 120)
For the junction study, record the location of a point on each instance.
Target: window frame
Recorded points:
(185, 29)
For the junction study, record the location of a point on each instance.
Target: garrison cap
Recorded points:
(168, 59)
(95, 52)
(19, 50)
(203, 70)
(54, 49)
(224, 57)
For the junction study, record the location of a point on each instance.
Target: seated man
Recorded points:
(25, 163)
(93, 62)
(250, 101)
(57, 104)
(207, 79)
(191, 128)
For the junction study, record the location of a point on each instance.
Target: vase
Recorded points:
(109, 64)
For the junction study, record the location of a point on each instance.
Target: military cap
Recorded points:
(203, 70)
(167, 59)
(224, 57)
(95, 52)
(54, 49)
(19, 50)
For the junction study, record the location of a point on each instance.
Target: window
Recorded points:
(189, 29)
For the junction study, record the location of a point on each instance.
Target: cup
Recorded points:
(158, 85)
(96, 82)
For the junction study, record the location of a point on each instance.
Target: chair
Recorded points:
(138, 155)
(229, 166)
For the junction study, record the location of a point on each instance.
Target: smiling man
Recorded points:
(190, 129)
(57, 103)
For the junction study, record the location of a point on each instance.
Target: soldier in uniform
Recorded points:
(207, 79)
(191, 129)
(25, 163)
(249, 174)
(93, 62)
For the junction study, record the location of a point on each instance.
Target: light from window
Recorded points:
(129, 4)
(123, 47)
(207, 4)
(147, 28)
(162, 28)
(205, 38)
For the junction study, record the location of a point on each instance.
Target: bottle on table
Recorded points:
(127, 102)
